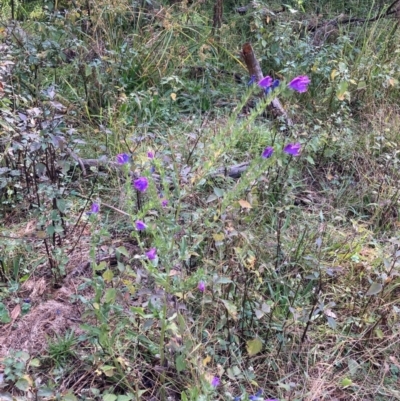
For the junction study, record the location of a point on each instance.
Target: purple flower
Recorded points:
(252, 80)
(215, 381)
(150, 155)
(122, 158)
(292, 149)
(164, 203)
(141, 184)
(266, 82)
(201, 286)
(140, 226)
(275, 84)
(151, 254)
(94, 209)
(299, 84)
(267, 152)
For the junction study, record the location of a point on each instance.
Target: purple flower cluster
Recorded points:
(298, 84)
(293, 149)
(151, 254)
(122, 158)
(215, 382)
(201, 286)
(140, 225)
(141, 184)
(94, 209)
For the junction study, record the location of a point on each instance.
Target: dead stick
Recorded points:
(255, 70)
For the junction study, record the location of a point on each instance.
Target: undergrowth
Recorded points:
(166, 235)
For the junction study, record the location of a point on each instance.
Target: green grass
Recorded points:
(299, 255)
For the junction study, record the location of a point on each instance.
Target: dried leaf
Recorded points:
(16, 312)
(244, 204)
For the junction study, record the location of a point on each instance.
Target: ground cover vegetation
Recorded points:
(166, 234)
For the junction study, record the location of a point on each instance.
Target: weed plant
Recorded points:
(230, 255)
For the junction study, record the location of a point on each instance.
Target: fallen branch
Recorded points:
(394, 8)
(254, 69)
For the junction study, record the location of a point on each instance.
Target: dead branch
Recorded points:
(254, 69)
(391, 10)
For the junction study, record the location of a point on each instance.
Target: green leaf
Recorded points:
(101, 266)
(122, 250)
(375, 288)
(231, 308)
(222, 280)
(346, 382)
(218, 192)
(34, 362)
(310, 160)
(108, 275)
(254, 346)
(180, 363)
(45, 392)
(111, 294)
(23, 384)
(109, 397)
(61, 205)
(124, 398)
(341, 90)
(69, 397)
(23, 355)
(4, 316)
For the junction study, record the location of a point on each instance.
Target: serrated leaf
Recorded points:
(375, 288)
(244, 204)
(111, 294)
(254, 346)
